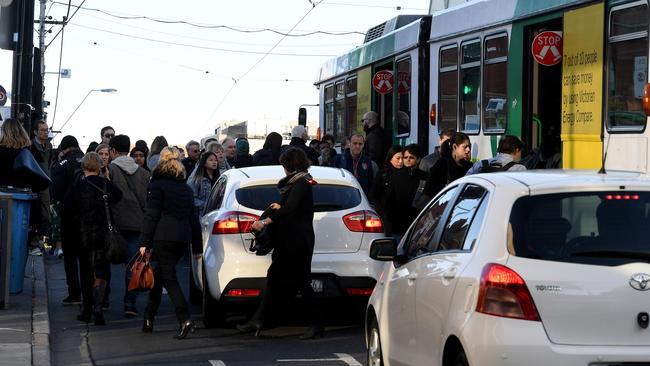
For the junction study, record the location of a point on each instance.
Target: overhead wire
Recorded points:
(199, 46)
(236, 80)
(213, 26)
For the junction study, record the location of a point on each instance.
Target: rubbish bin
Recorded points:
(16, 242)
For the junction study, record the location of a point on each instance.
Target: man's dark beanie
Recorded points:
(68, 142)
(121, 143)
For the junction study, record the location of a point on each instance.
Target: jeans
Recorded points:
(132, 239)
(166, 255)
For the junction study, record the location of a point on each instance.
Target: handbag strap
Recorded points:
(106, 206)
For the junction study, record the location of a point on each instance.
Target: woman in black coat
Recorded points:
(269, 154)
(403, 185)
(85, 205)
(171, 221)
(293, 238)
(381, 184)
(453, 163)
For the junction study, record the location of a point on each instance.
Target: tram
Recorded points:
(571, 75)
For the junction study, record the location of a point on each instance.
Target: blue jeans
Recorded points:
(132, 239)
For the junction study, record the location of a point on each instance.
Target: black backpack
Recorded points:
(495, 166)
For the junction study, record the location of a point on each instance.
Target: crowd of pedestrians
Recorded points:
(153, 197)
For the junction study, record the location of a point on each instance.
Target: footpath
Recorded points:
(25, 325)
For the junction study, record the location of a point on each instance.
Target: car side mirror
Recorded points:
(302, 116)
(384, 249)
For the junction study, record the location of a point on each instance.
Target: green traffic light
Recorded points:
(467, 89)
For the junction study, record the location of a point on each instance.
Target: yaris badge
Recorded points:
(640, 281)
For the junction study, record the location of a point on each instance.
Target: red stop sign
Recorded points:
(383, 81)
(403, 82)
(547, 48)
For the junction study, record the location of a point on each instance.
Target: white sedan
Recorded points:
(533, 268)
(344, 226)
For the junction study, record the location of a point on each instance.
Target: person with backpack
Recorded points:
(506, 160)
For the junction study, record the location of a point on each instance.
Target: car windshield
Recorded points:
(327, 197)
(599, 228)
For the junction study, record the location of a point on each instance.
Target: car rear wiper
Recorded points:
(645, 256)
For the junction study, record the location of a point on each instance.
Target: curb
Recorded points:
(41, 353)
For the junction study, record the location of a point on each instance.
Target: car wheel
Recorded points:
(461, 359)
(195, 292)
(213, 312)
(374, 345)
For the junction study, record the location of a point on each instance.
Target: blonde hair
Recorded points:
(170, 164)
(13, 135)
(91, 162)
(101, 146)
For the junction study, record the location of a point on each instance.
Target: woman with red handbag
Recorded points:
(171, 221)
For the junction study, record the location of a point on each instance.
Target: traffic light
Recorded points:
(468, 89)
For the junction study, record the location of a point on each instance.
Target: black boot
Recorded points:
(147, 325)
(313, 332)
(186, 327)
(99, 291)
(251, 326)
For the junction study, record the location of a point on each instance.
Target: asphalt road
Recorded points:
(121, 342)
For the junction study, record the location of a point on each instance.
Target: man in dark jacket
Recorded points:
(42, 150)
(299, 140)
(128, 213)
(193, 149)
(427, 162)
(65, 174)
(377, 142)
(357, 163)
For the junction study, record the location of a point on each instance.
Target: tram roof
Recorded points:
(399, 40)
(479, 14)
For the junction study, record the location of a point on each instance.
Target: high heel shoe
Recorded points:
(250, 327)
(147, 326)
(313, 332)
(186, 327)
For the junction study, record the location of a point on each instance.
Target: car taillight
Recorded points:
(243, 292)
(363, 221)
(234, 222)
(504, 293)
(363, 291)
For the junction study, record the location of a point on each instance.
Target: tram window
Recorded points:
(351, 107)
(470, 78)
(495, 84)
(448, 89)
(329, 109)
(339, 110)
(627, 66)
(404, 97)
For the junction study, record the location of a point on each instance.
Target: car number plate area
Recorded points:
(317, 285)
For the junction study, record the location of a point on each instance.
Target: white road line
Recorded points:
(348, 359)
(342, 357)
(216, 363)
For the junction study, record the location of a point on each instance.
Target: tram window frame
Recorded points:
(351, 123)
(443, 125)
(340, 125)
(397, 97)
(329, 109)
(469, 66)
(622, 38)
(486, 62)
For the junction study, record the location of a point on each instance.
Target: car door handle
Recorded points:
(412, 277)
(450, 274)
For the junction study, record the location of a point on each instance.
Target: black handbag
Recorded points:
(115, 245)
(262, 242)
(26, 166)
(421, 199)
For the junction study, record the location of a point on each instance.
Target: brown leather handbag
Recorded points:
(141, 273)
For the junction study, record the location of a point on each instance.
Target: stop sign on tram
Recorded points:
(547, 48)
(383, 81)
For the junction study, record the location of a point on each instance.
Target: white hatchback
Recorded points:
(529, 268)
(344, 226)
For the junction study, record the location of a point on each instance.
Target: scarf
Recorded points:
(286, 183)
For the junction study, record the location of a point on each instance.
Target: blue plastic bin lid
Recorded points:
(17, 193)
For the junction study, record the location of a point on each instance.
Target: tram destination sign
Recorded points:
(383, 82)
(547, 48)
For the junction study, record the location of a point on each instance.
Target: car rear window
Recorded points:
(599, 228)
(327, 197)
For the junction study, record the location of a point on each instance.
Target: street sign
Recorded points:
(3, 96)
(547, 48)
(383, 82)
(403, 82)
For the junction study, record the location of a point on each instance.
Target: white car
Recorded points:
(527, 268)
(344, 226)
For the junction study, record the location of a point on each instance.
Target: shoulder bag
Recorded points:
(262, 242)
(116, 246)
(26, 164)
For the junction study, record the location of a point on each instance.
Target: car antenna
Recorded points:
(602, 167)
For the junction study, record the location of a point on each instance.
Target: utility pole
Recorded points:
(41, 35)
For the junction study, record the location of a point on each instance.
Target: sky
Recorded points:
(180, 81)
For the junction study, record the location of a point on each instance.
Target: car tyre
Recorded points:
(196, 296)
(461, 359)
(212, 309)
(375, 357)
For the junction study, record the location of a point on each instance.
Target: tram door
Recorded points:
(382, 103)
(542, 84)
